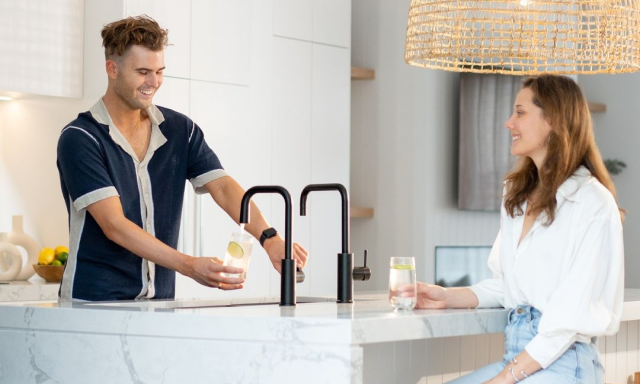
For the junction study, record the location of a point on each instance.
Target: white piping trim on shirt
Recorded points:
(82, 130)
(193, 128)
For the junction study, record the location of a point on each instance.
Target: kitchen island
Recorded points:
(240, 341)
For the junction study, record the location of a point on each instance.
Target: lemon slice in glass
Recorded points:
(235, 250)
(403, 266)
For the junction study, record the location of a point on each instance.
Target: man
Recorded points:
(122, 168)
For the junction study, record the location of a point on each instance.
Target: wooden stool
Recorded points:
(636, 378)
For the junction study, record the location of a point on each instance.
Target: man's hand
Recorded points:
(208, 272)
(275, 249)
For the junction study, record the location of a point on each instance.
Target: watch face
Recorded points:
(270, 232)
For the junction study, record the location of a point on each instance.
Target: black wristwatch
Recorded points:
(267, 234)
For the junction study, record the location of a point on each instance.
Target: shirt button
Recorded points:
(520, 310)
(146, 195)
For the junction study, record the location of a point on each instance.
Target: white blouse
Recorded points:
(572, 271)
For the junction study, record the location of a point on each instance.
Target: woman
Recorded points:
(558, 259)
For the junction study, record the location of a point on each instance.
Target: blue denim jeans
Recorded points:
(580, 364)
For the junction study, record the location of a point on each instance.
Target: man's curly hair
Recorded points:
(142, 30)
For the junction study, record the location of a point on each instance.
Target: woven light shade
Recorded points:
(525, 37)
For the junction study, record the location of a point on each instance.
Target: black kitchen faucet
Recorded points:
(346, 271)
(288, 272)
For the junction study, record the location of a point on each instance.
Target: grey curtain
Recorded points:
(486, 103)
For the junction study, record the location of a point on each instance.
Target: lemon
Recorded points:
(403, 266)
(61, 248)
(46, 257)
(57, 263)
(235, 250)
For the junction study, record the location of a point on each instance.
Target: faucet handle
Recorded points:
(299, 275)
(362, 273)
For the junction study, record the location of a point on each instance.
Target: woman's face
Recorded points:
(529, 129)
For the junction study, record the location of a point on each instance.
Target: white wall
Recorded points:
(617, 134)
(404, 151)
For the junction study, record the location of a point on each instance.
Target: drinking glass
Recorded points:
(402, 283)
(238, 253)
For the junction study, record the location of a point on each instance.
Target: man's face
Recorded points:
(139, 76)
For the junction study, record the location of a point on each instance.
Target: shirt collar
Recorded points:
(570, 186)
(101, 114)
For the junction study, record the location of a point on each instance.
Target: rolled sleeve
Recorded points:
(203, 164)
(82, 167)
(199, 182)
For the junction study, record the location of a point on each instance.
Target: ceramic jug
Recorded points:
(9, 251)
(30, 245)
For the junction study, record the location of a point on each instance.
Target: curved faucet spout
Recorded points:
(345, 207)
(245, 210)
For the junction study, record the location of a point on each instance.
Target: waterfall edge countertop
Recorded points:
(369, 320)
(31, 290)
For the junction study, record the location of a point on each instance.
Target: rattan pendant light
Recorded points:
(525, 37)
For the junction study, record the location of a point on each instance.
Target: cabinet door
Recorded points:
(330, 158)
(293, 19)
(332, 22)
(176, 17)
(291, 138)
(41, 47)
(221, 40)
(320, 21)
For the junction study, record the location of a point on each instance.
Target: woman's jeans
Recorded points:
(580, 364)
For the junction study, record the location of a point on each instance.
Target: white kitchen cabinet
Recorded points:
(221, 40)
(176, 17)
(332, 22)
(291, 138)
(320, 21)
(41, 47)
(330, 155)
(293, 18)
(174, 94)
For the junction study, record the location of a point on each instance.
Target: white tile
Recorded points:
(42, 47)
(221, 41)
(332, 22)
(175, 17)
(293, 19)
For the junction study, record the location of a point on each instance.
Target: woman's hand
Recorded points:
(431, 296)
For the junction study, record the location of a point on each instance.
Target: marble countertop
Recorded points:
(35, 289)
(369, 320)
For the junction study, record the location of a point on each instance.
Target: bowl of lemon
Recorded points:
(51, 263)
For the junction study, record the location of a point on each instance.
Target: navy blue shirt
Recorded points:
(95, 162)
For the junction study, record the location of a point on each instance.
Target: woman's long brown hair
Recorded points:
(571, 144)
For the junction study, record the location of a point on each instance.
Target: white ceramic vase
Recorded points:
(30, 245)
(9, 251)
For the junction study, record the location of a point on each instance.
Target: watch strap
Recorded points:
(267, 234)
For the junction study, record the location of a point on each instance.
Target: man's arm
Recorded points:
(227, 193)
(207, 271)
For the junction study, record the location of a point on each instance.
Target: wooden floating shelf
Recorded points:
(362, 73)
(361, 212)
(597, 107)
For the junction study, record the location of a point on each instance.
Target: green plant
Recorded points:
(614, 166)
